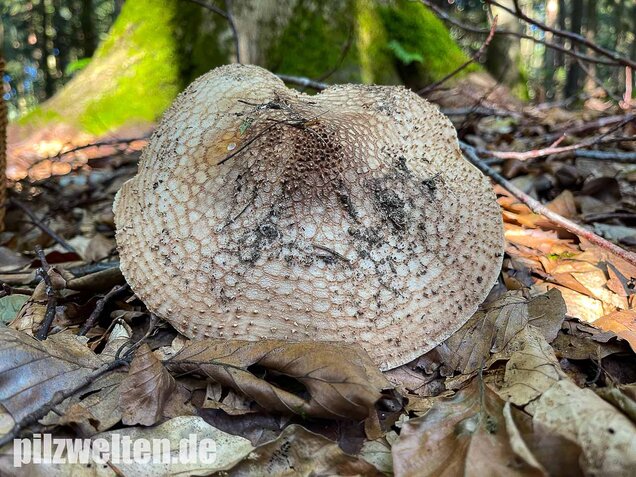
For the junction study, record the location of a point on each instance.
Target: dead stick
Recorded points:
(57, 398)
(38, 223)
(99, 307)
(538, 208)
(51, 295)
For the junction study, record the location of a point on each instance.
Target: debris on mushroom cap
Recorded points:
(351, 215)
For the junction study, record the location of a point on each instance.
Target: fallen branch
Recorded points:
(614, 156)
(99, 307)
(302, 81)
(58, 397)
(51, 295)
(39, 224)
(538, 208)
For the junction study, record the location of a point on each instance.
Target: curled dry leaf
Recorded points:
(298, 451)
(606, 436)
(465, 435)
(95, 409)
(146, 389)
(229, 450)
(341, 381)
(491, 329)
(32, 312)
(623, 323)
(579, 340)
(32, 371)
(532, 369)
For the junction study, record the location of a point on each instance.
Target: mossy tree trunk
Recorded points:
(156, 47)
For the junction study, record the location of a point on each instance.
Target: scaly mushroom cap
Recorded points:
(262, 212)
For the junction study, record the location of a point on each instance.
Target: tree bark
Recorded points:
(49, 86)
(89, 42)
(573, 80)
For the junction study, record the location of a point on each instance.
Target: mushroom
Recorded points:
(262, 212)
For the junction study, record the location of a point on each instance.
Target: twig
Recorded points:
(575, 37)
(483, 31)
(38, 223)
(227, 14)
(99, 307)
(471, 60)
(538, 208)
(614, 156)
(51, 303)
(58, 397)
(536, 153)
(302, 81)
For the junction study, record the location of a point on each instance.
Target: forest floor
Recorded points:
(541, 381)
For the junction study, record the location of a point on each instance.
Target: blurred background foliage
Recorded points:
(47, 43)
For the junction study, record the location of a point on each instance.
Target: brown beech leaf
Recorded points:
(144, 392)
(606, 436)
(465, 435)
(622, 322)
(32, 371)
(298, 451)
(491, 329)
(320, 379)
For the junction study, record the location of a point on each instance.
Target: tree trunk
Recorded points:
(549, 56)
(590, 34)
(574, 76)
(43, 39)
(503, 53)
(156, 47)
(89, 42)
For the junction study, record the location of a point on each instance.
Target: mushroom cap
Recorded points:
(262, 212)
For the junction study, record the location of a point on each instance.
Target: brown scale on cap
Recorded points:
(261, 212)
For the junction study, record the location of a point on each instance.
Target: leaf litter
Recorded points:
(540, 381)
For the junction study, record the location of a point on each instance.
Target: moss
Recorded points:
(416, 30)
(39, 117)
(374, 54)
(313, 41)
(149, 83)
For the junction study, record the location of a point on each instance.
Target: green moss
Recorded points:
(313, 41)
(416, 30)
(146, 86)
(39, 116)
(374, 54)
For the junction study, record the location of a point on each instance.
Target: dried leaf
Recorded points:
(580, 340)
(489, 331)
(145, 390)
(298, 451)
(623, 323)
(229, 450)
(32, 371)
(228, 400)
(94, 410)
(10, 306)
(341, 380)
(531, 370)
(465, 435)
(607, 438)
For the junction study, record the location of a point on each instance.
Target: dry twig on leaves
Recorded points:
(539, 208)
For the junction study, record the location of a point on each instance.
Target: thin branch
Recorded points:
(302, 81)
(57, 398)
(99, 307)
(538, 208)
(51, 295)
(227, 14)
(38, 223)
(483, 31)
(614, 156)
(575, 37)
(471, 60)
